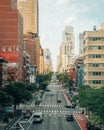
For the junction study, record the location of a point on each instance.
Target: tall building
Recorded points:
(94, 57)
(67, 49)
(29, 10)
(11, 38)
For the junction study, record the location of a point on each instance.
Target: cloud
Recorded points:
(69, 20)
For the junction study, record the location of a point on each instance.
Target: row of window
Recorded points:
(94, 48)
(95, 73)
(95, 38)
(95, 56)
(96, 82)
(95, 65)
(8, 49)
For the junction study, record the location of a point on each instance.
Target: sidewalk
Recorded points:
(80, 118)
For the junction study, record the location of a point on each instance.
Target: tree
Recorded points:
(31, 87)
(18, 92)
(92, 100)
(5, 99)
(43, 80)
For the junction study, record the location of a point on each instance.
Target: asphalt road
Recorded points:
(54, 113)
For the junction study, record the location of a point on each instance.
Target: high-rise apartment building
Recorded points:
(94, 57)
(29, 11)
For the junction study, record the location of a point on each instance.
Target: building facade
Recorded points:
(29, 10)
(94, 57)
(66, 56)
(3, 73)
(29, 47)
(79, 71)
(26, 67)
(11, 38)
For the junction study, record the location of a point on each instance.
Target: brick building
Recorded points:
(11, 38)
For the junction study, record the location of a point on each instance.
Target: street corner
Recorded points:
(81, 120)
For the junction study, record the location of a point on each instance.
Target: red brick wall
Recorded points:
(11, 34)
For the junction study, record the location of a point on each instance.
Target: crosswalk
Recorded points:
(54, 109)
(51, 106)
(71, 111)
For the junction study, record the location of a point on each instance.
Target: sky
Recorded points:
(54, 15)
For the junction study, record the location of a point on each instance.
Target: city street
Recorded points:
(54, 114)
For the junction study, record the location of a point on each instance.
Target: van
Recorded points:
(37, 117)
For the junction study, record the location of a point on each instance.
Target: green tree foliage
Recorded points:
(92, 100)
(43, 80)
(65, 80)
(5, 99)
(31, 87)
(44, 84)
(18, 92)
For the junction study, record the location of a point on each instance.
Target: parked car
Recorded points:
(73, 105)
(27, 114)
(58, 100)
(68, 105)
(69, 117)
(47, 89)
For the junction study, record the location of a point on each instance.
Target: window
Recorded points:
(96, 39)
(96, 81)
(97, 56)
(97, 73)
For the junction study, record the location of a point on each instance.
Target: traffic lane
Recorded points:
(55, 122)
(45, 125)
(50, 98)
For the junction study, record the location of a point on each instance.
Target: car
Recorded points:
(58, 100)
(69, 117)
(73, 105)
(47, 90)
(68, 105)
(27, 114)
